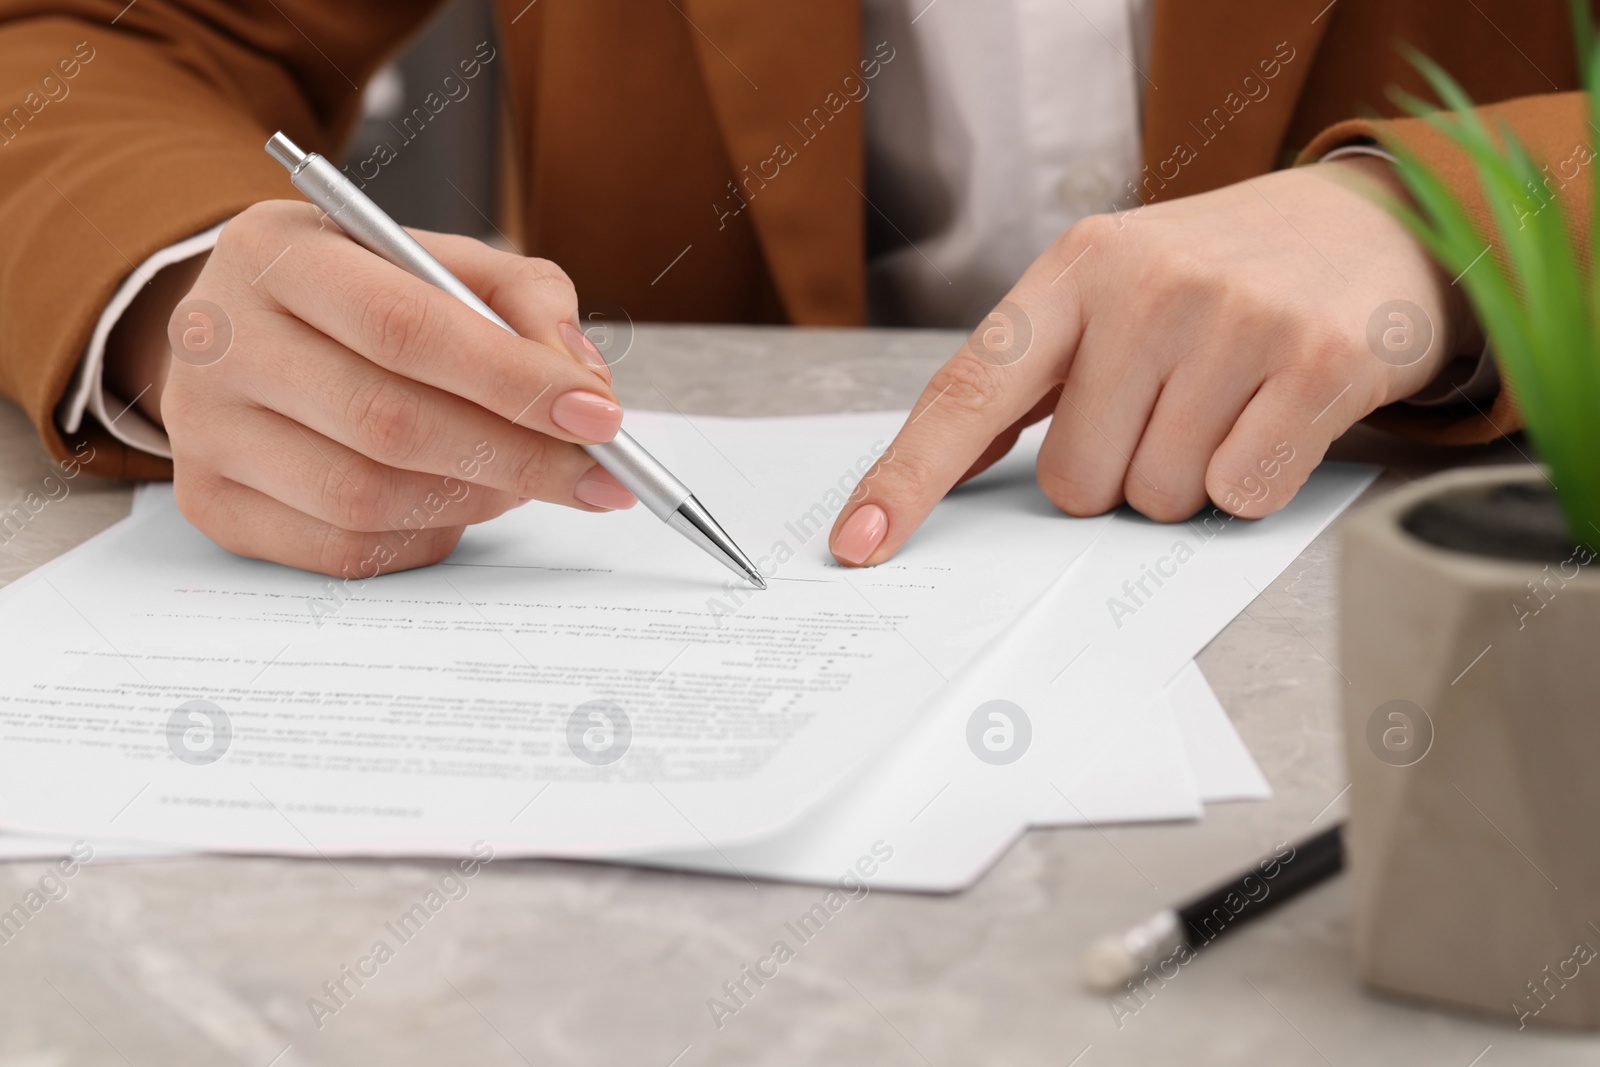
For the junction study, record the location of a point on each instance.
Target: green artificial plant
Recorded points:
(1539, 298)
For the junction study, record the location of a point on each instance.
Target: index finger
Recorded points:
(1019, 350)
(407, 326)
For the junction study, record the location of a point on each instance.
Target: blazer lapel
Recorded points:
(1226, 78)
(780, 85)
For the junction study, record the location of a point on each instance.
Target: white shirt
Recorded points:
(995, 127)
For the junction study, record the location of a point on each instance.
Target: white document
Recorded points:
(947, 835)
(940, 831)
(1199, 757)
(1103, 653)
(1101, 744)
(1221, 765)
(420, 711)
(1085, 683)
(1223, 768)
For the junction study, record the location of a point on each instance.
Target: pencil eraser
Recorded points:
(1108, 965)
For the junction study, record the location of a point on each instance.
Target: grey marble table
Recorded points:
(211, 961)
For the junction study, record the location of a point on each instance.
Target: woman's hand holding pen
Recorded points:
(361, 419)
(1206, 348)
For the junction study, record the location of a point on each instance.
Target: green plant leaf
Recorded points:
(1522, 274)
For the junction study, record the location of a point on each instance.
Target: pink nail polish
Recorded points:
(579, 345)
(587, 415)
(862, 534)
(599, 489)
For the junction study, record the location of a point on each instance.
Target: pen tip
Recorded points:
(757, 581)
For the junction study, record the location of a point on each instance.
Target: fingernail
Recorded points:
(862, 533)
(599, 489)
(521, 500)
(578, 344)
(587, 415)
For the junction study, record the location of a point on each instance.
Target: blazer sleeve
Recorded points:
(1554, 129)
(126, 127)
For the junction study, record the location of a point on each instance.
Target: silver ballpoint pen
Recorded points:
(642, 474)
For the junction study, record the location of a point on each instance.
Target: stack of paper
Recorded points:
(591, 686)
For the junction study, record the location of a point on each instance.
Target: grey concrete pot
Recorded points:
(1472, 736)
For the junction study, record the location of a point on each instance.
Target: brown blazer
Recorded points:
(632, 124)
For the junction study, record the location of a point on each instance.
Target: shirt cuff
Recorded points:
(88, 392)
(1470, 378)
